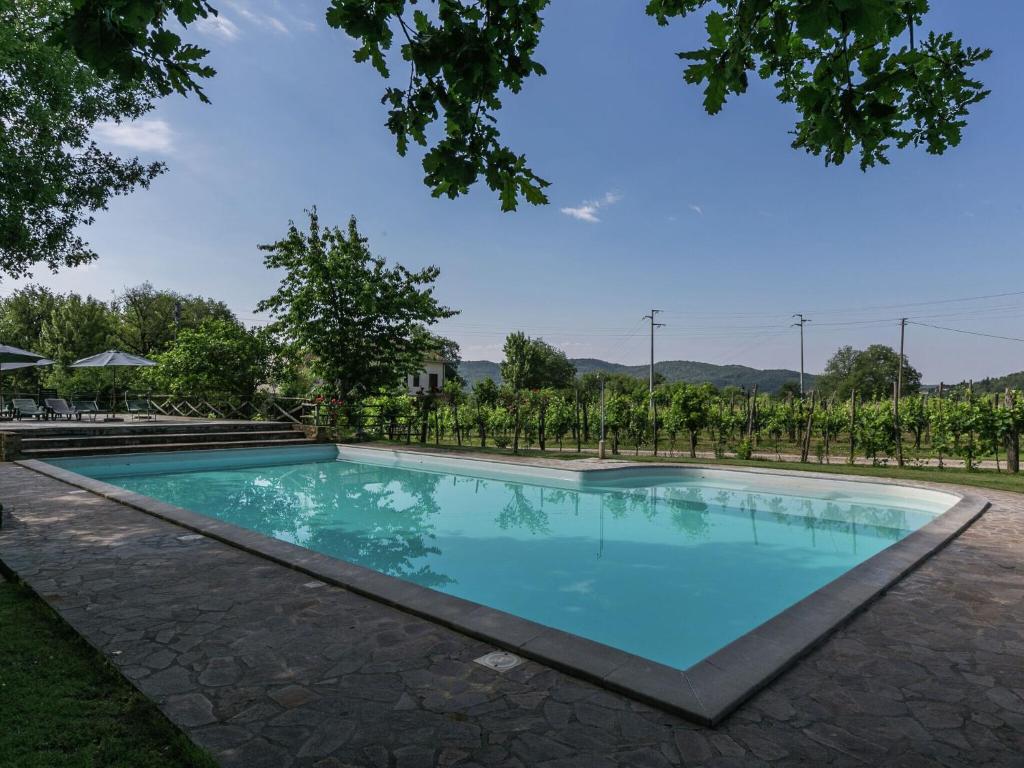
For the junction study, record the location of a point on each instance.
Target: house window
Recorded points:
(416, 380)
(433, 381)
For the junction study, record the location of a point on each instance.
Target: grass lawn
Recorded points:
(980, 478)
(62, 704)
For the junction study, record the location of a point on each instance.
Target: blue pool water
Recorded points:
(670, 565)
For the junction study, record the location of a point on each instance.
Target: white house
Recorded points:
(428, 380)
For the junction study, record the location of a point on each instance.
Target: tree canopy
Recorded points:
(55, 177)
(66, 327)
(134, 41)
(858, 74)
(871, 372)
(534, 364)
(863, 75)
(151, 318)
(219, 357)
(363, 324)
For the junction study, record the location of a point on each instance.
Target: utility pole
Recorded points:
(177, 318)
(896, 399)
(600, 442)
(653, 326)
(802, 321)
(651, 406)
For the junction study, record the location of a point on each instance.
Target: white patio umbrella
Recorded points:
(9, 354)
(14, 357)
(5, 367)
(112, 359)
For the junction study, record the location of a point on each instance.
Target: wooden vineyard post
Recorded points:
(897, 393)
(853, 424)
(1012, 436)
(751, 415)
(579, 445)
(896, 423)
(805, 448)
(942, 388)
(827, 432)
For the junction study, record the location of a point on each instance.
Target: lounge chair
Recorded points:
(86, 408)
(26, 406)
(59, 408)
(138, 407)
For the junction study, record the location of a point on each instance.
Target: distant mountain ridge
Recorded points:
(769, 380)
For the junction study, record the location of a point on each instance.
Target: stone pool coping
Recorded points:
(706, 693)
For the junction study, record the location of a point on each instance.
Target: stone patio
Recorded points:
(264, 667)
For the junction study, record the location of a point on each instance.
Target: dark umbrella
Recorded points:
(11, 355)
(112, 359)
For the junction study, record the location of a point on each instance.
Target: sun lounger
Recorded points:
(59, 408)
(26, 406)
(139, 408)
(86, 408)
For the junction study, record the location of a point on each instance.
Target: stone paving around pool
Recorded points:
(265, 667)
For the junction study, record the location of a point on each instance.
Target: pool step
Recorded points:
(149, 438)
(108, 439)
(105, 450)
(88, 428)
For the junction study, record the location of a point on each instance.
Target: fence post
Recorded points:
(853, 425)
(805, 448)
(1012, 436)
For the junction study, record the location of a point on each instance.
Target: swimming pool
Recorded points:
(668, 564)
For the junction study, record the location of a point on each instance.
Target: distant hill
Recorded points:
(673, 370)
(999, 384)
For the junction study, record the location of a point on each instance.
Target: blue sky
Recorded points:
(653, 203)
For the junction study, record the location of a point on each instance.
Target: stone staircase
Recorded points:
(103, 439)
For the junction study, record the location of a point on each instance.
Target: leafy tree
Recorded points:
(789, 389)
(456, 398)
(483, 399)
(535, 364)
(518, 369)
(874, 431)
(871, 372)
(844, 66)
(54, 176)
(76, 328)
(362, 323)
(560, 418)
(22, 317)
(24, 313)
(150, 318)
(218, 358)
(134, 41)
(690, 408)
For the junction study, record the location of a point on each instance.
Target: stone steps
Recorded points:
(78, 439)
(88, 429)
(113, 450)
(161, 438)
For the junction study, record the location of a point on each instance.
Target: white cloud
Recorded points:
(264, 20)
(697, 209)
(587, 211)
(142, 135)
(218, 26)
(277, 24)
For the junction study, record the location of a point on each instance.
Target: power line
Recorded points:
(969, 333)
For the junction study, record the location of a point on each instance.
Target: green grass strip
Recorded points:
(64, 706)
(978, 478)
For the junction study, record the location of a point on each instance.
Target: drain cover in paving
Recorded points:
(499, 661)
